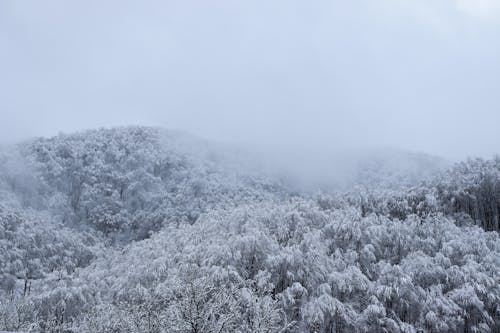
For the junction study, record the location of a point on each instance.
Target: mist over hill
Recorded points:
(141, 229)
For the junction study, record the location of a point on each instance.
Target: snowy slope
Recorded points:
(147, 230)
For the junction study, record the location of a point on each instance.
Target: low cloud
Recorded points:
(480, 8)
(416, 75)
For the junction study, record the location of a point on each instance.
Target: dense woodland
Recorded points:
(146, 230)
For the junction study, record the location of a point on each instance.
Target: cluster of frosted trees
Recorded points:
(132, 230)
(469, 192)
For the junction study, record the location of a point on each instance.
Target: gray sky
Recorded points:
(421, 75)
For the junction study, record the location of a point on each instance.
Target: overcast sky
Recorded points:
(421, 75)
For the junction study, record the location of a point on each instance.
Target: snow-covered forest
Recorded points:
(147, 230)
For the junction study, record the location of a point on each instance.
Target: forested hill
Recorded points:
(131, 180)
(147, 230)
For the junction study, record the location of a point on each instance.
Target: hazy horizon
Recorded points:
(418, 76)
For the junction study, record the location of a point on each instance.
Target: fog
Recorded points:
(414, 75)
